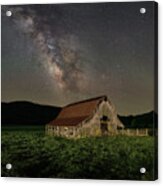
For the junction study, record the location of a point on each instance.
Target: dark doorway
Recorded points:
(104, 125)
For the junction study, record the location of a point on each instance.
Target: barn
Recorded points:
(92, 117)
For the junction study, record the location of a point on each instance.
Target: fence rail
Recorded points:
(133, 132)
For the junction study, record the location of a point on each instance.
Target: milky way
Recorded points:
(58, 48)
(57, 54)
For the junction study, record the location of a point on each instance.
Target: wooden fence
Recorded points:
(133, 132)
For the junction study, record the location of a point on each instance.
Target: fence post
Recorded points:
(128, 132)
(137, 132)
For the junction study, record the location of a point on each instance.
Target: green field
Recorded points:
(32, 154)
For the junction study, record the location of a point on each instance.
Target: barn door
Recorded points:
(104, 125)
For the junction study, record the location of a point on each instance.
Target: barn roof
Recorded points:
(75, 113)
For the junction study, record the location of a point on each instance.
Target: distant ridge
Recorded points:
(27, 113)
(145, 120)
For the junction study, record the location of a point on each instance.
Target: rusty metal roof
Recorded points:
(67, 121)
(75, 113)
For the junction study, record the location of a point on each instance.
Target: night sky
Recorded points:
(58, 54)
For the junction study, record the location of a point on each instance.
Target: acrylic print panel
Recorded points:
(79, 91)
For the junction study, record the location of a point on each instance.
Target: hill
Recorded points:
(146, 120)
(27, 113)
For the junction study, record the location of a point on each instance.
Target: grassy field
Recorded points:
(32, 154)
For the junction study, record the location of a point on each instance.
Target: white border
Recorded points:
(58, 182)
